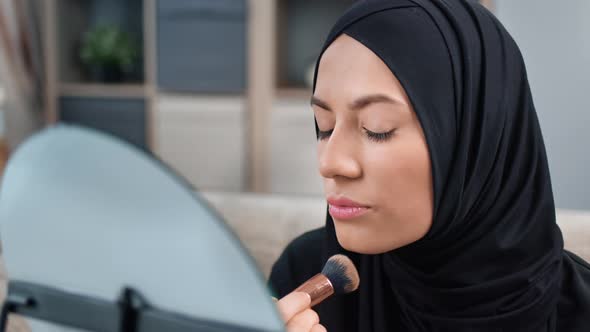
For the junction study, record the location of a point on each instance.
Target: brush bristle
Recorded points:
(342, 273)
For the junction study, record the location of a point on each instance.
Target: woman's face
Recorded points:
(372, 152)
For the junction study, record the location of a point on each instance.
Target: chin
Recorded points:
(360, 244)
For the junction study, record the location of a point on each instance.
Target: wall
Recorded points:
(555, 42)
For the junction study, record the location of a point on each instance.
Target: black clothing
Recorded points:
(304, 257)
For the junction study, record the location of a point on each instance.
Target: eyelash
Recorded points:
(377, 137)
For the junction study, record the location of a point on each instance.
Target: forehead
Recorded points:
(347, 67)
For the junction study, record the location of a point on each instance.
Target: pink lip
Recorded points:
(343, 208)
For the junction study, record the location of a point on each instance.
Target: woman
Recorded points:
(437, 182)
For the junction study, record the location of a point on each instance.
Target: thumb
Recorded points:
(292, 304)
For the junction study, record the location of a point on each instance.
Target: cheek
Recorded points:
(404, 160)
(400, 174)
(397, 180)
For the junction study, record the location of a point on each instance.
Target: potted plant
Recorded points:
(108, 53)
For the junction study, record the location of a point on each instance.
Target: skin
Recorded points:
(372, 150)
(391, 175)
(295, 311)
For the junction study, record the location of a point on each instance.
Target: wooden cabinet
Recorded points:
(204, 64)
(124, 118)
(203, 138)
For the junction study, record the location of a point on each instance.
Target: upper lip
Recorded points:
(343, 201)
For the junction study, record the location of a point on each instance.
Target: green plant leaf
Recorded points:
(108, 45)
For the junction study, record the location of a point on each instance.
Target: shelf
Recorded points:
(124, 90)
(74, 18)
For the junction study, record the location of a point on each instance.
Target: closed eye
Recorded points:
(379, 137)
(322, 135)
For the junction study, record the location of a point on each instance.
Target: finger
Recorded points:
(17, 323)
(318, 328)
(303, 321)
(292, 304)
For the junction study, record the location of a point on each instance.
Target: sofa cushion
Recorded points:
(266, 223)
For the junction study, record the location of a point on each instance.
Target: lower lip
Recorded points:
(346, 212)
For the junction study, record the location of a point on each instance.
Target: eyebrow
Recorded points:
(359, 103)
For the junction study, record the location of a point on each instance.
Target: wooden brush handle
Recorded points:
(318, 288)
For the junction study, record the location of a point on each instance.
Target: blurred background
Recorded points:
(219, 89)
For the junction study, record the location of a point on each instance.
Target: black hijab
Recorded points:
(493, 259)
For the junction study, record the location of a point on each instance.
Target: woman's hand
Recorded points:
(298, 316)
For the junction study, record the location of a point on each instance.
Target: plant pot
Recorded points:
(106, 74)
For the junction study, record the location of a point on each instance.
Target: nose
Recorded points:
(337, 157)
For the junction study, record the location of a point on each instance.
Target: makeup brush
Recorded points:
(339, 276)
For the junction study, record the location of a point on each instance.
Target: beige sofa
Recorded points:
(266, 223)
